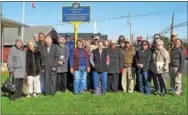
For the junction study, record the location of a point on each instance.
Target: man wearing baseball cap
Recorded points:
(127, 81)
(96, 38)
(171, 44)
(134, 67)
(139, 40)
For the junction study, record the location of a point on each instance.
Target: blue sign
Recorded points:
(76, 13)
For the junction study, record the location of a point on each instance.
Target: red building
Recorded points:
(11, 30)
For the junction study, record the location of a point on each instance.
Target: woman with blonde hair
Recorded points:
(33, 68)
(159, 66)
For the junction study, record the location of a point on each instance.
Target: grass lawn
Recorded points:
(111, 103)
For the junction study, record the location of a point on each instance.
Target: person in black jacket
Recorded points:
(176, 66)
(143, 58)
(40, 44)
(33, 68)
(99, 61)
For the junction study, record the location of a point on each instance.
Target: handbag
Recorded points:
(8, 86)
(160, 68)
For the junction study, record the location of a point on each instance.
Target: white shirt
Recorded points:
(48, 49)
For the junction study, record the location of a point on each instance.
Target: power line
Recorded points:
(140, 15)
(167, 29)
(127, 16)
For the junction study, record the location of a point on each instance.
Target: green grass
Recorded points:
(111, 103)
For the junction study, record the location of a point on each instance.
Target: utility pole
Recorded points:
(130, 25)
(172, 25)
(132, 38)
(23, 19)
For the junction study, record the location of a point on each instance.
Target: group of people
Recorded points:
(95, 65)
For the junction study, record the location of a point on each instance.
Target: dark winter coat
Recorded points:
(144, 57)
(33, 62)
(177, 58)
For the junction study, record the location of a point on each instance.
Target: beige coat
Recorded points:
(160, 56)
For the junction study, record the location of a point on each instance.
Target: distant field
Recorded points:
(111, 103)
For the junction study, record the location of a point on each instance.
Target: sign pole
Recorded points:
(76, 24)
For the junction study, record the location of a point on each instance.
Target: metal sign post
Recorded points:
(76, 24)
(76, 15)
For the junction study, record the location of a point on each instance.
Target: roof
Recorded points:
(11, 23)
(85, 35)
(30, 31)
(9, 39)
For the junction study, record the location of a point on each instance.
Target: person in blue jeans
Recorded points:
(79, 66)
(143, 59)
(99, 60)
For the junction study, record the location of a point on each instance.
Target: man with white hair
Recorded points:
(36, 39)
(62, 65)
(171, 44)
(50, 58)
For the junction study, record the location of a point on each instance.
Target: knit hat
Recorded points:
(139, 38)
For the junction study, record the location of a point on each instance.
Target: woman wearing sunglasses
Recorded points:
(143, 58)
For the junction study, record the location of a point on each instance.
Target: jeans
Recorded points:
(42, 82)
(79, 81)
(96, 78)
(161, 83)
(143, 81)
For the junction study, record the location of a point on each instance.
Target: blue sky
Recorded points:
(49, 13)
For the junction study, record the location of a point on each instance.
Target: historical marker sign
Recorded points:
(76, 13)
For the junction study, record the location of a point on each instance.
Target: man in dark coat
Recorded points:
(40, 44)
(70, 44)
(115, 66)
(50, 58)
